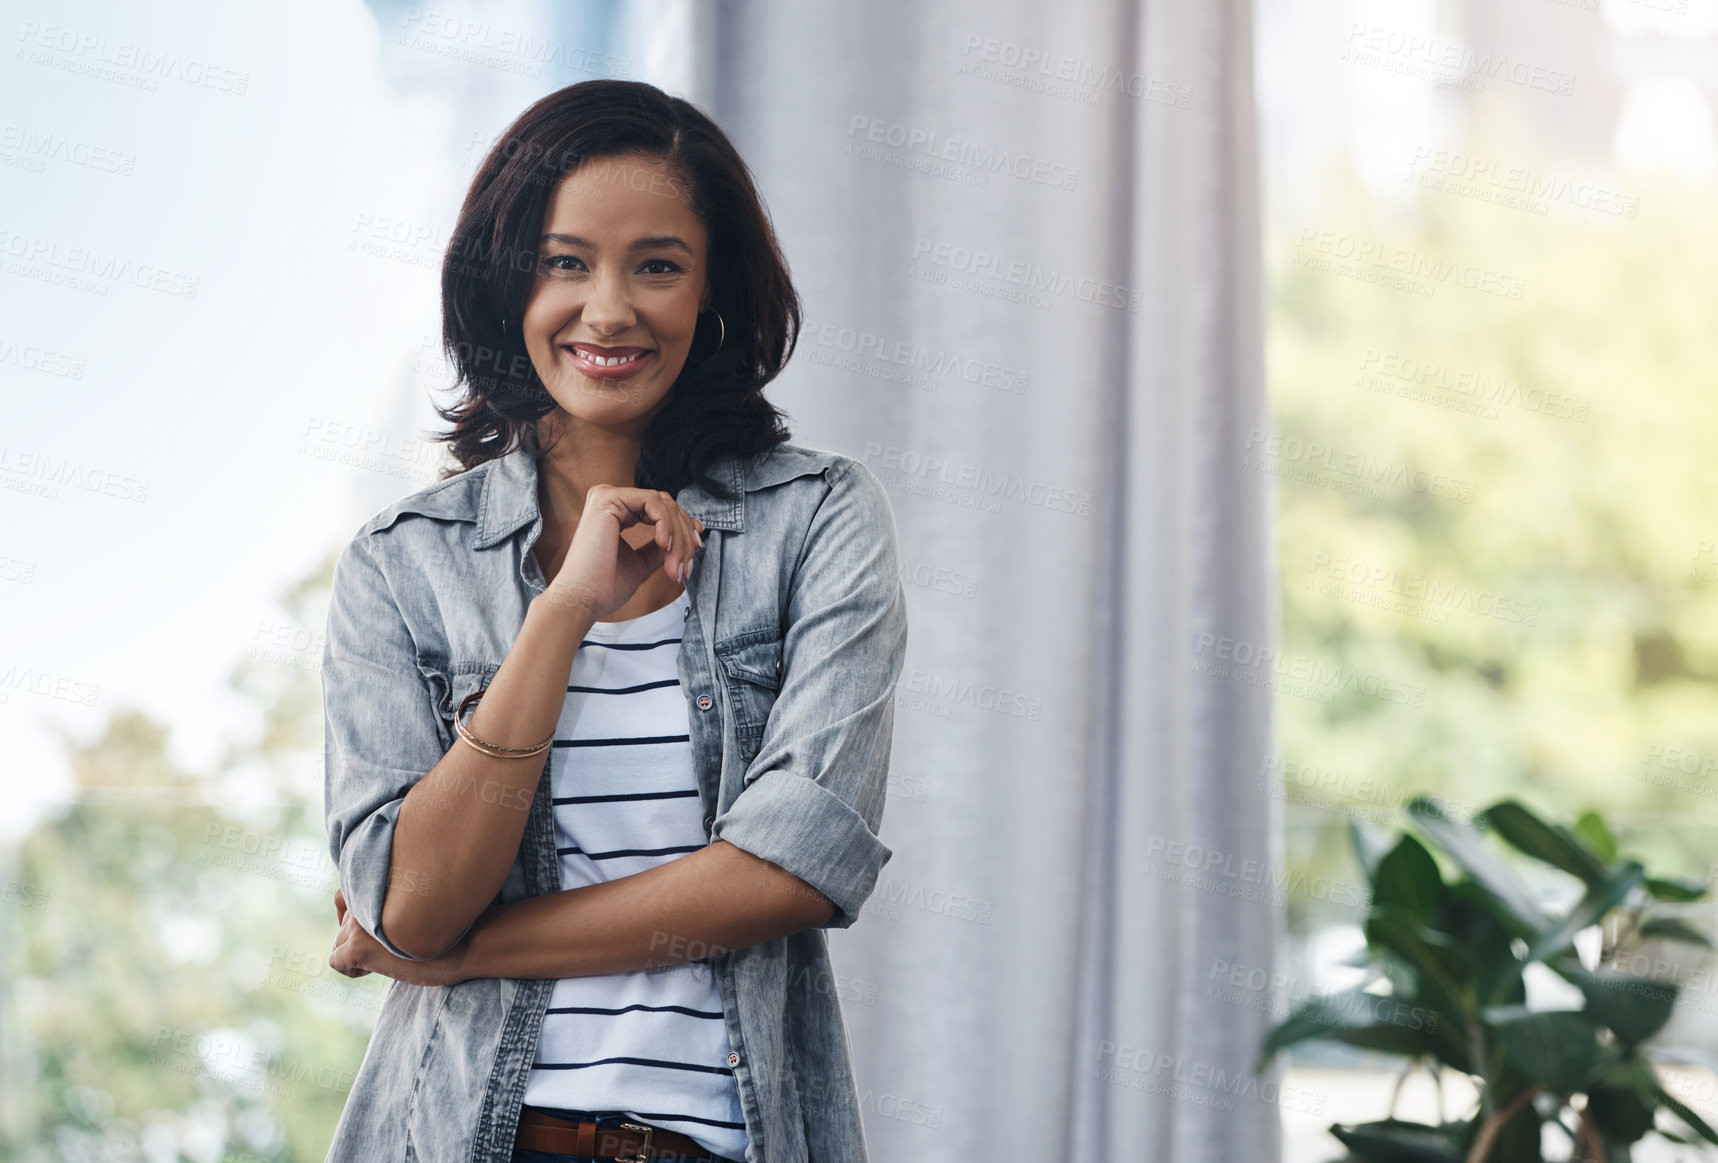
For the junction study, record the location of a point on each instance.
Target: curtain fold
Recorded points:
(1027, 237)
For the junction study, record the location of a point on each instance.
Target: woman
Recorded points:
(609, 709)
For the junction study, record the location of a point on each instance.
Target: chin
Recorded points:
(610, 406)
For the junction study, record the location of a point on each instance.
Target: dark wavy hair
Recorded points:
(716, 404)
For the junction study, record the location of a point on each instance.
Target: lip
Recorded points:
(578, 353)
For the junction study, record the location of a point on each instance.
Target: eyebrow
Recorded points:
(650, 242)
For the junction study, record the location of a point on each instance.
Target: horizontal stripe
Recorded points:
(627, 801)
(624, 741)
(622, 690)
(653, 1063)
(628, 851)
(628, 1009)
(628, 645)
(625, 795)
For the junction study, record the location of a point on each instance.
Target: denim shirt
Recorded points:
(794, 639)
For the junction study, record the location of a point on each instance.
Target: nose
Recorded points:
(609, 305)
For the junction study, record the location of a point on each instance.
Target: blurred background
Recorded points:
(1488, 348)
(1546, 601)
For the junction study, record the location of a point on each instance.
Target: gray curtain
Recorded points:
(1027, 236)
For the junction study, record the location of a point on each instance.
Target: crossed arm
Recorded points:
(809, 813)
(706, 902)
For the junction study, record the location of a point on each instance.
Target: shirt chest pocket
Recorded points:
(751, 670)
(449, 685)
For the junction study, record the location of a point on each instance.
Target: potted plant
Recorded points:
(1452, 954)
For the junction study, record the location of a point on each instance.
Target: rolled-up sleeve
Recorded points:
(380, 733)
(813, 803)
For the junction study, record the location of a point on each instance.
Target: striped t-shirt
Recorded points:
(650, 1043)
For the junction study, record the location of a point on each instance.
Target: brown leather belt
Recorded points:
(628, 1143)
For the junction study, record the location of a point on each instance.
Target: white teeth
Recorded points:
(602, 361)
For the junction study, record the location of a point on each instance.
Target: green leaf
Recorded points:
(1370, 843)
(1675, 1107)
(1470, 917)
(1638, 1075)
(1633, 1073)
(1599, 899)
(1619, 1113)
(1551, 843)
(1352, 1016)
(1436, 960)
(1633, 1008)
(1395, 1141)
(1676, 888)
(1407, 877)
(1670, 929)
(1467, 847)
(1592, 828)
(1559, 1048)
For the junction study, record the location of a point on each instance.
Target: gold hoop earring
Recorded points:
(721, 337)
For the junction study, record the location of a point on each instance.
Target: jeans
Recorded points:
(603, 1119)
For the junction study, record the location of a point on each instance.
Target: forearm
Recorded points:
(459, 828)
(710, 901)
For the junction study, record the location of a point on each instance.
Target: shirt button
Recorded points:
(705, 702)
(733, 1059)
(709, 822)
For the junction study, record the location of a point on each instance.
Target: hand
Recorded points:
(601, 571)
(357, 954)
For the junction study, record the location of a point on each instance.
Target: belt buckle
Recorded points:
(643, 1152)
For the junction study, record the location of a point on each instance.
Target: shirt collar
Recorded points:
(509, 501)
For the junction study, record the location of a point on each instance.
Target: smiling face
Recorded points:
(621, 277)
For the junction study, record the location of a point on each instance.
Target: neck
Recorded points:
(583, 456)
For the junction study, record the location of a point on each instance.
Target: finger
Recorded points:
(678, 542)
(652, 555)
(340, 960)
(632, 506)
(651, 505)
(339, 907)
(692, 539)
(660, 514)
(681, 564)
(684, 541)
(669, 535)
(673, 535)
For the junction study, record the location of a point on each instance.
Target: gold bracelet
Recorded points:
(490, 748)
